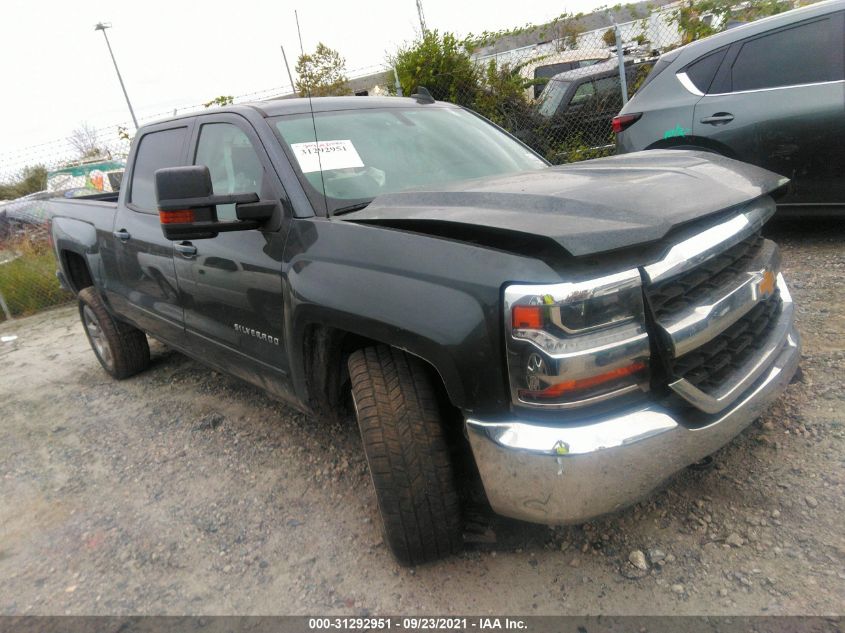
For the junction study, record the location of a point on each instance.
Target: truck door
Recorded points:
(140, 274)
(232, 284)
(778, 101)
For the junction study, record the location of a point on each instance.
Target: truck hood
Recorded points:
(590, 207)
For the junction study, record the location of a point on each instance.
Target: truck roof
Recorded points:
(276, 107)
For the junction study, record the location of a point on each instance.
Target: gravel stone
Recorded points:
(637, 559)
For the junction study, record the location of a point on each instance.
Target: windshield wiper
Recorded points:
(352, 207)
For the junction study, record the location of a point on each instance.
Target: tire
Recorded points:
(122, 350)
(408, 456)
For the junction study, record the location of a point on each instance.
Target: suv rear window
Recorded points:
(803, 54)
(702, 71)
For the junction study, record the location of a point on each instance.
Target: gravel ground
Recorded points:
(182, 491)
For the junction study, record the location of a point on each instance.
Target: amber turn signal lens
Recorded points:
(582, 384)
(176, 217)
(528, 317)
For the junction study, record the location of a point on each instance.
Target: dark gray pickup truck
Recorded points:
(582, 331)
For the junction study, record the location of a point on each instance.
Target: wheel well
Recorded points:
(326, 351)
(79, 276)
(693, 142)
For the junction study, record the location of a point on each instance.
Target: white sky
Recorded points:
(56, 71)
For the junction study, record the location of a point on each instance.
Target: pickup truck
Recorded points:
(582, 332)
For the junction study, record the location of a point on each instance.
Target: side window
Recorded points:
(702, 71)
(803, 54)
(156, 150)
(583, 93)
(232, 160)
(608, 86)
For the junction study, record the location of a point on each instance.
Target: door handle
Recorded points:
(123, 235)
(186, 249)
(719, 117)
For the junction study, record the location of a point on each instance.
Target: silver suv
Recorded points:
(770, 93)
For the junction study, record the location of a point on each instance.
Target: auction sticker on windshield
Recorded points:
(326, 154)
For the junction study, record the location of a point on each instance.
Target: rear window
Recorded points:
(156, 150)
(702, 71)
(807, 53)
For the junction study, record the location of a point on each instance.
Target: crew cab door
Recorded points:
(778, 101)
(140, 277)
(232, 284)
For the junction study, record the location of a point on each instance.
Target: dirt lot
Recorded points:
(184, 491)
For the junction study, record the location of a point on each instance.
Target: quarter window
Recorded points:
(156, 150)
(702, 71)
(232, 161)
(808, 53)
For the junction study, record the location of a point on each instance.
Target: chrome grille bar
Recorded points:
(696, 325)
(692, 252)
(744, 376)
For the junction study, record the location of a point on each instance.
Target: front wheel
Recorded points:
(122, 350)
(407, 453)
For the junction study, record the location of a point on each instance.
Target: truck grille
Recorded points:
(711, 365)
(688, 289)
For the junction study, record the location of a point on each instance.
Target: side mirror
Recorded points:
(187, 206)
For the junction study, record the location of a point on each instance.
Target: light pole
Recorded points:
(102, 26)
(422, 17)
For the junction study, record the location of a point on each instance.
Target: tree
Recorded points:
(84, 140)
(501, 97)
(322, 73)
(33, 178)
(222, 100)
(440, 63)
(609, 37)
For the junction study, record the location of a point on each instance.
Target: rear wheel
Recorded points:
(409, 460)
(122, 350)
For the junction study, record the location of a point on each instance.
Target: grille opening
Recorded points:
(711, 365)
(685, 290)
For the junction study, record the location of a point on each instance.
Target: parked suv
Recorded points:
(581, 103)
(769, 93)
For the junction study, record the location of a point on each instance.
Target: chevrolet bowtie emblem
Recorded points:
(767, 284)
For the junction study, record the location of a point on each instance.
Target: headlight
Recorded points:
(574, 344)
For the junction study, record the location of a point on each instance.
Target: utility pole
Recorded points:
(422, 17)
(102, 26)
(287, 67)
(620, 58)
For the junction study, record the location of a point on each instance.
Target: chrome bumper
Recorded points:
(548, 473)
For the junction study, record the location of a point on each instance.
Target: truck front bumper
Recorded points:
(544, 472)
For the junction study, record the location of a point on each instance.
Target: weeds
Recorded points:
(28, 276)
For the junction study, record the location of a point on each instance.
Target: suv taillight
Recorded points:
(624, 121)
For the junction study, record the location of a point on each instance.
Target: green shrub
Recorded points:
(442, 64)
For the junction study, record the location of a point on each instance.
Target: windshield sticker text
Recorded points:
(326, 154)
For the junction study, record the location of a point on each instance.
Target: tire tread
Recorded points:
(410, 462)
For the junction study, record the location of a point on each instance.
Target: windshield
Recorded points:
(552, 96)
(367, 152)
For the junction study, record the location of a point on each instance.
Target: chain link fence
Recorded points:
(557, 87)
